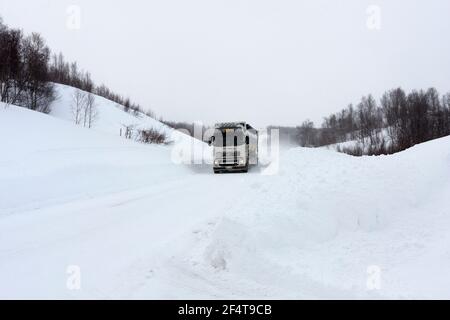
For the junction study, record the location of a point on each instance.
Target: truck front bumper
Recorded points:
(229, 166)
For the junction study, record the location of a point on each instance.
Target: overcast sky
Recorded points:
(265, 62)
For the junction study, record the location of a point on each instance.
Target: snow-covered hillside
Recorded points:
(138, 225)
(111, 117)
(363, 145)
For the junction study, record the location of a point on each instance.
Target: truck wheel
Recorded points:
(217, 171)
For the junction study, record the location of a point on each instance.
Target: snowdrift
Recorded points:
(46, 160)
(322, 226)
(73, 162)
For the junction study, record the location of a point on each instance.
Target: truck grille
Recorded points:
(228, 154)
(228, 157)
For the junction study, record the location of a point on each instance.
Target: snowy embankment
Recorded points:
(111, 117)
(364, 145)
(325, 221)
(137, 225)
(47, 160)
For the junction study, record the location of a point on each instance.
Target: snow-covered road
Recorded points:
(136, 225)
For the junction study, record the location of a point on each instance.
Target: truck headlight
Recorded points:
(216, 162)
(241, 161)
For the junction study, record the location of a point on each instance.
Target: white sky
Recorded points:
(265, 62)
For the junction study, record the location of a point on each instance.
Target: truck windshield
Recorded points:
(229, 137)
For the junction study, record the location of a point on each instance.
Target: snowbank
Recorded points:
(319, 228)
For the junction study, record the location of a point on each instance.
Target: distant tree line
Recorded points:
(70, 74)
(28, 71)
(397, 122)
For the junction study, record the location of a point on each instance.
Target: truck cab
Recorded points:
(235, 147)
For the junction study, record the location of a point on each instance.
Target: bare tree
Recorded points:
(78, 106)
(90, 112)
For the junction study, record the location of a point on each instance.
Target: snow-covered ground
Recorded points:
(362, 144)
(111, 118)
(136, 224)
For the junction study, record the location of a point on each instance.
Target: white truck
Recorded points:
(235, 147)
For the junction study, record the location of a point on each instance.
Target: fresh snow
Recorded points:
(364, 144)
(140, 224)
(111, 117)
